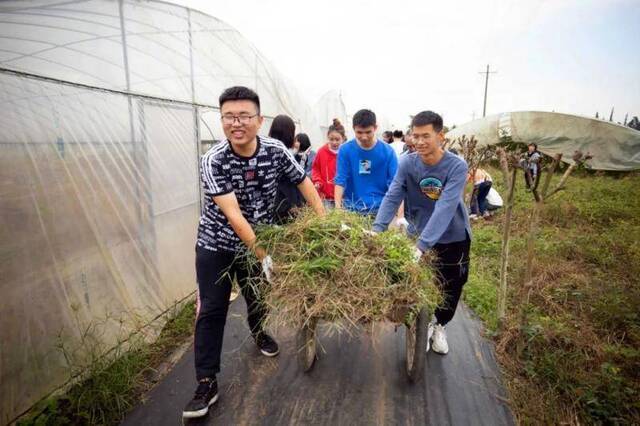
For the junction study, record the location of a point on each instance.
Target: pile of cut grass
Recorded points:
(329, 268)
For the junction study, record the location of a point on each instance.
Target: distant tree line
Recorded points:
(634, 123)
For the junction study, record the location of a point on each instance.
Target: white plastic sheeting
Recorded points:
(107, 106)
(614, 147)
(328, 107)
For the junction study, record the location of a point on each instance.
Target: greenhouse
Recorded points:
(613, 147)
(107, 106)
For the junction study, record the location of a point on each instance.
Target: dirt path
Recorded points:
(356, 381)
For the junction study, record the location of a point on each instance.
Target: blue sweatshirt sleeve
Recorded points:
(342, 167)
(392, 198)
(445, 207)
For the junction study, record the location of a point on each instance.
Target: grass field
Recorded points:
(570, 347)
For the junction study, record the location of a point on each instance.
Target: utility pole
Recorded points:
(611, 115)
(486, 86)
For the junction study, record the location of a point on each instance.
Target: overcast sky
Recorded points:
(402, 56)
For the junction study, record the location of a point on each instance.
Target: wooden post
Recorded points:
(510, 180)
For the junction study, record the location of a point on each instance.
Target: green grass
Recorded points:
(113, 383)
(481, 290)
(570, 343)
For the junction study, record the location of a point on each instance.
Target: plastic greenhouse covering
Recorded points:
(330, 106)
(614, 147)
(107, 106)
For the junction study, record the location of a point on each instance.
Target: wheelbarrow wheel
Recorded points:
(307, 346)
(416, 342)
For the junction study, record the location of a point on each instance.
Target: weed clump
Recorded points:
(330, 268)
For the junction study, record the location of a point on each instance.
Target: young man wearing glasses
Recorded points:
(431, 182)
(240, 178)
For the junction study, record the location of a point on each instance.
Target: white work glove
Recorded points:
(267, 268)
(417, 254)
(369, 233)
(344, 227)
(402, 224)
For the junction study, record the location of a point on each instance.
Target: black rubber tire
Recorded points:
(416, 345)
(306, 346)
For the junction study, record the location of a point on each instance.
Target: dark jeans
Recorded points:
(479, 200)
(215, 271)
(533, 182)
(452, 271)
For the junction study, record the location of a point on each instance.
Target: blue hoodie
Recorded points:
(365, 174)
(433, 200)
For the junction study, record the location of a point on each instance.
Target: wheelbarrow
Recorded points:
(415, 341)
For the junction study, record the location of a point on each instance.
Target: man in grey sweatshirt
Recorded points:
(431, 182)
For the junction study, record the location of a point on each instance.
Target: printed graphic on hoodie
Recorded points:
(431, 187)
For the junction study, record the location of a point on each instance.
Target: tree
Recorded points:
(540, 197)
(509, 169)
(473, 154)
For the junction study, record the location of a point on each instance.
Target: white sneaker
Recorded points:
(439, 338)
(430, 334)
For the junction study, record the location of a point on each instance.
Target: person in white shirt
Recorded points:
(398, 143)
(481, 185)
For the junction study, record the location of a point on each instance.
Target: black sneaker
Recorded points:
(267, 345)
(206, 394)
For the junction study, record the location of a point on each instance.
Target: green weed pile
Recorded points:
(330, 268)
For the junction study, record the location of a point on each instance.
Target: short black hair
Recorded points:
(283, 128)
(305, 143)
(425, 118)
(535, 146)
(364, 118)
(239, 93)
(397, 134)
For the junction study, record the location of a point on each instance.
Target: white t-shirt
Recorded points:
(398, 146)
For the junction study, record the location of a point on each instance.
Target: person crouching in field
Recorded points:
(431, 182)
(240, 179)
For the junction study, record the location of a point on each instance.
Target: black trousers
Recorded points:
(452, 271)
(215, 272)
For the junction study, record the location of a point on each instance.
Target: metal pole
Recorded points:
(486, 86)
(196, 113)
(255, 71)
